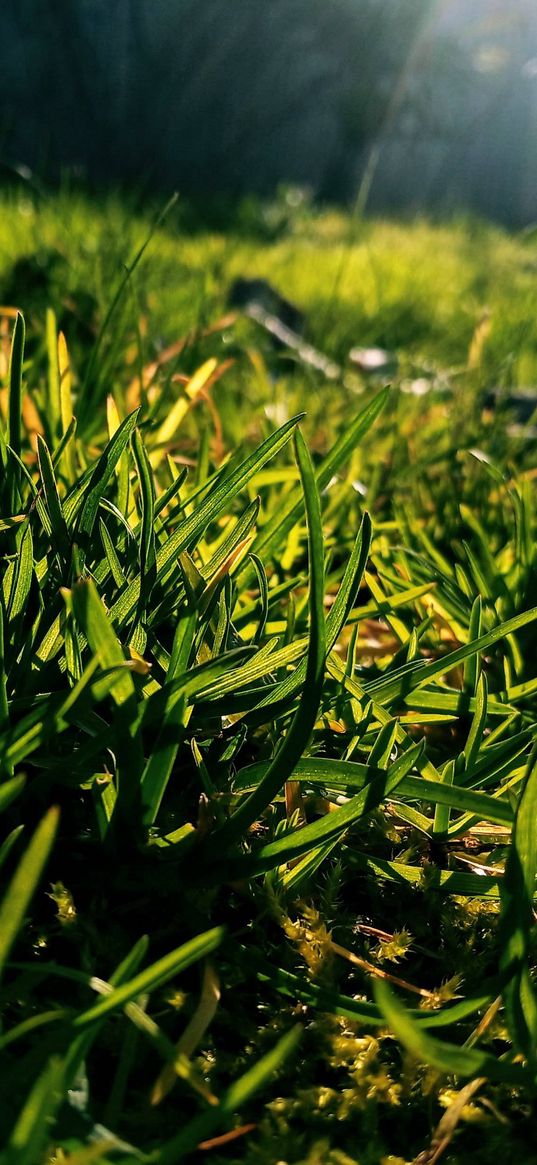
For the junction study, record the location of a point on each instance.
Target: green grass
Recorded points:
(267, 697)
(419, 287)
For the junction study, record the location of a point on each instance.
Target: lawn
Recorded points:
(267, 691)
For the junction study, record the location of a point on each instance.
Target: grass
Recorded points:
(267, 697)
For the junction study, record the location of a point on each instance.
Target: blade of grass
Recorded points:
(154, 976)
(200, 1127)
(14, 416)
(299, 841)
(326, 999)
(419, 672)
(53, 406)
(301, 727)
(275, 530)
(225, 490)
(90, 386)
(335, 774)
(32, 1128)
(9, 790)
(95, 623)
(24, 882)
(336, 619)
(517, 922)
(147, 546)
(66, 406)
(101, 474)
(446, 1058)
(60, 534)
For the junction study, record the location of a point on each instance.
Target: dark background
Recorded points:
(405, 105)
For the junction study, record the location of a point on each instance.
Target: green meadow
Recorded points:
(268, 689)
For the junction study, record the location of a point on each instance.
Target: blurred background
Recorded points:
(390, 105)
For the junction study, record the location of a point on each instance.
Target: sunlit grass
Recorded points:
(267, 703)
(417, 287)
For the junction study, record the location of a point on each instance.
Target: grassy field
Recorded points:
(267, 692)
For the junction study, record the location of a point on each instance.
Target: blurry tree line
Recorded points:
(403, 104)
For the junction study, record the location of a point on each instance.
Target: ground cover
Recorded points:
(267, 693)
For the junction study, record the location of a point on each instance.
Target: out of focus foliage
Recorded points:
(226, 97)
